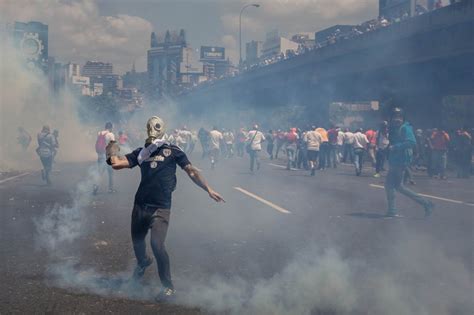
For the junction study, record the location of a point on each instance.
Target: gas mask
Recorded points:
(155, 128)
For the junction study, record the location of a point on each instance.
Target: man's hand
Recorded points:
(199, 180)
(112, 149)
(215, 196)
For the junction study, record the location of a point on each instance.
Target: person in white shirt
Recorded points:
(185, 136)
(229, 143)
(254, 146)
(348, 149)
(313, 141)
(360, 146)
(103, 138)
(340, 144)
(214, 145)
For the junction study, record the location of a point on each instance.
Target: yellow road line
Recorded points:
(268, 203)
(433, 197)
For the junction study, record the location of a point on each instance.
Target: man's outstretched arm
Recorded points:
(199, 180)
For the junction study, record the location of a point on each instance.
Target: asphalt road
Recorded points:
(284, 242)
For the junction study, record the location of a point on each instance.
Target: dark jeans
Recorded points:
(324, 155)
(144, 218)
(394, 182)
(270, 150)
(333, 155)
(348, 153)
(254, 159)
(240, 149)
(102, 165)
(47, 165)
(380, 160)
(464, 163)
(358, 159)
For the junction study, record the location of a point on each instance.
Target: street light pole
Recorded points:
(240, 29)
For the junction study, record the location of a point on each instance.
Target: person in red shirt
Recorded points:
(372, 137)
(439, 143)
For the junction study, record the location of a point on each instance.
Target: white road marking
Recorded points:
(282, 166)
(13, 177)
(433, 197)
(268, 203)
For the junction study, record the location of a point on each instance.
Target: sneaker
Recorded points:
(376, 175)
(112, 191)
(166, 294)
(428, 208)
(140, 269)
(392, 214)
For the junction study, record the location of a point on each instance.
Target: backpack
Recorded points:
(100, 144)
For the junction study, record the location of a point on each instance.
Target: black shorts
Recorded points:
(313, 155)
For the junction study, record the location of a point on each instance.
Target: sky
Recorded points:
(118, 31)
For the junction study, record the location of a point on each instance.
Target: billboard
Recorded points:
(191, 68)
(212, 53)
(80, 80)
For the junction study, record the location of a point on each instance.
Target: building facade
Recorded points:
(393, 9)
(253, 52)
(164, 60)
(276, 45)
(215, 63)
(31, 39)
(97, 68)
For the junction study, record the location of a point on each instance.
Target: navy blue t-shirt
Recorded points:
(158, 175)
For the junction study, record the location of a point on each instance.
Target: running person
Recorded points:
(215, 138)
(402, 142)
(313, 141)
(254, 146)
(151, 210)
(46, 148)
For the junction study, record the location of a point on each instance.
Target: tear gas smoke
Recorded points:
(63, 224)
(26, 102)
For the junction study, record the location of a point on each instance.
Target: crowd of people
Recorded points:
(318, 148)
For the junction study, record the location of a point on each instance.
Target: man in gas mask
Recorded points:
(400, 154)
(157, 161)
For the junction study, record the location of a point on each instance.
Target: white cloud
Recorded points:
(291, 16)
(78, 33)
(231, 47)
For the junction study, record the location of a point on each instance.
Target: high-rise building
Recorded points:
(397, 8)
(72, 70)
(275, 45)
(164, 60)
(31, 39)
(97, 68)
(56, 75)
(253, 52)
(215, 63)
(324, 35)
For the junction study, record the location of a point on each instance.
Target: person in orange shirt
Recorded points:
(439, 144)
